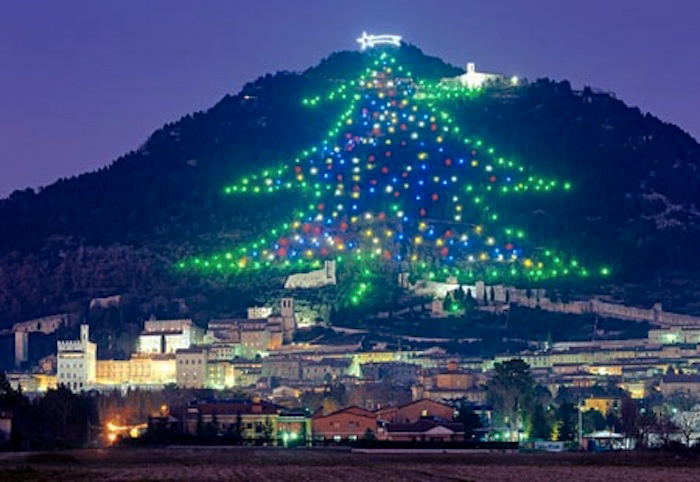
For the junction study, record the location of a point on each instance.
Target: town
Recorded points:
(259, 379)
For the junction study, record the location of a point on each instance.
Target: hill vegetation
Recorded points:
(120, 229)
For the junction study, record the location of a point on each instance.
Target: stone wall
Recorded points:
(538, 299)
(313, 279)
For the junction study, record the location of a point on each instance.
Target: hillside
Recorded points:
(122, 229)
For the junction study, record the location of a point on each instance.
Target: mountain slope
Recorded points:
(118, 230)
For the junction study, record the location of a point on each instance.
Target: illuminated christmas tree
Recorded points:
(396, 185)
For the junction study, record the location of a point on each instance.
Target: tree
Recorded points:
(267, 431)
(469, 419)
(687, 424)
(629, 417)
(539, 425)
(567, 421)
(511, 392)
(593, 421)
(647, 422)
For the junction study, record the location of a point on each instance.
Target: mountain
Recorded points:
(632, 203)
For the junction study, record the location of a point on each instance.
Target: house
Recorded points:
(689, 384)
(260, 421)
(327, 368)
(346, 425)
(281, 367)
(423, 431)
(396, 373)
(416, 411)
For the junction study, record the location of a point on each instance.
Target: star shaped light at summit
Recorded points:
(370, 41)
(396, 185)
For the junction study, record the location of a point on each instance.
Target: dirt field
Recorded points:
(238, 464)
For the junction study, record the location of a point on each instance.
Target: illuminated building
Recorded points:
(45, 325)
(604, 405)
(32, 382)
(281, 367)
(472, 79)
(417, 410)
(220, 374)
(258, 420)
(687, 384)
(76, 361)
(168, 336)
(451, 384)
(143, 371)
(191, 367)
(346, 425)
(263, 331)
(327, 368)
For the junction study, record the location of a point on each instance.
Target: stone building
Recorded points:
(191, 367)
(168, 336)
(77, 362)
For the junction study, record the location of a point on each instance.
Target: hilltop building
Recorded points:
(473, 79)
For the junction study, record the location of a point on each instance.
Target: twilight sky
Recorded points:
(84, 81)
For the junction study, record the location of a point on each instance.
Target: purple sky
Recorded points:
(82, 82)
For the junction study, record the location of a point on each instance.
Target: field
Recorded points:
(239, 464)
